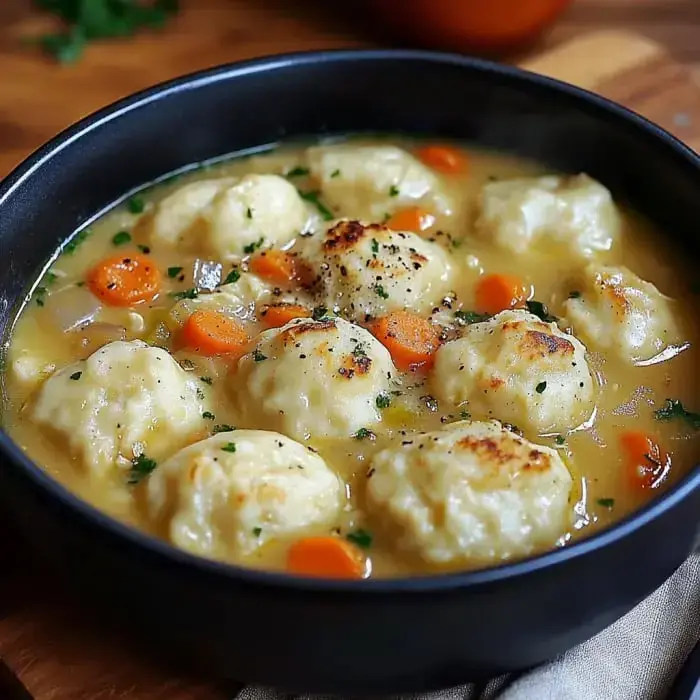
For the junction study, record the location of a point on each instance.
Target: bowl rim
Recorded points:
(168, 554)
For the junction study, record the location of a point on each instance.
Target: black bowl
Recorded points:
(401, 635)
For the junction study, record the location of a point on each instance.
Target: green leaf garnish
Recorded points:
(121, 238)
(673, 409)
(173, 272)
(141, 467)
(360, 537)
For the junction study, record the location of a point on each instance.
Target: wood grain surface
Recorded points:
(49, 648)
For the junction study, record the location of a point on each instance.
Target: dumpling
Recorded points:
(471, 491)
(125, 400)
(371, 181)
(518, 369)
(576, 212)
(230, 217)
(367, 270)
(312, 378)
(232, 493)
(616, 310)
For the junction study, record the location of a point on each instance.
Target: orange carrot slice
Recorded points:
(276, 315)
(124, 280)
(648, 463)
(411, 340)
(495, 293)
(280, 267)
(326, 557)
(446, 159)
(212, 333)
(412, 219)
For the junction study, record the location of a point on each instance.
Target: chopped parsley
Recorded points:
(673, 409)
(252, 247)
(229, 447)
(144, 249)
(208, 415)
(186, 294)
(574, 294)
(360, 537)
(319, 312)
(393, 191)
(121, 238)
(383, 401)
(364, 434)
(359, 351)
(541, 387)
(560, 440)
(375, 246)
(298, 171)
(312, 198)
(335, 173)
(51, 278)
(258, 356)
(223, 428)
(206, 380)
(76, 375)
(466, 318)
(537, 308)
(136, 205)
(606, 502)
(464, 415)
(249, 213)
(40, 295)
(232, 276)
(77, 241)
(380, 291)
(257, 531)
(141, 467)
(173, 272)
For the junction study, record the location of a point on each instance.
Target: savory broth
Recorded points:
(64, 322)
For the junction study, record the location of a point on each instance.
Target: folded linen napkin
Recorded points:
(637, 658)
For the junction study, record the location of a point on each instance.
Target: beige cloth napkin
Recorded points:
(637, 658)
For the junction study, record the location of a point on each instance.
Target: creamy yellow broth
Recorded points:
(626, 396)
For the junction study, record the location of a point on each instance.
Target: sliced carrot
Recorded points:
(326, 557)
(212, 333)
(648, 463)
(411, 340)
(280, 267)
(123, 280)
(446, 159)
(276, 315)
(495, 293)
(411, 219)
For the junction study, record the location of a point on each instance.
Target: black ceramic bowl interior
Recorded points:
(384, 635)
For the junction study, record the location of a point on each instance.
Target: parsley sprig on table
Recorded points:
(90, 20)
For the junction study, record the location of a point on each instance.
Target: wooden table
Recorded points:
(37, 99)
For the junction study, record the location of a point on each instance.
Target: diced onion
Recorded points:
(72, 307)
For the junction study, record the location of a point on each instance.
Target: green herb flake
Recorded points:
(206, 380)
(298, 171)
(208, 415)
(673, 409)
(232, 276)
(335, 173)
(252, 247)
(560, 440)
(313, 198)
(173, 272)
(364, 434)
(380, 291)
(223, 428)
(393, 191)
(537, 308)
(136, 205)
(375, 246)
(541, 387)
(144, 249)
(121, 238)
(141, 467)
(229, 447)
(466, 318)
(186, 294)
(257, 531)
(360, 537)
(76, 375)
(40, 295)
(319, 312)
(465, 415)
(77, 240)
(383, 401)
(258, 356)
(249, 213)
(50, 278)
(606, 502)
